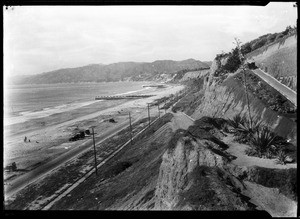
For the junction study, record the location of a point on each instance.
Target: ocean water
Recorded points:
(22, 102)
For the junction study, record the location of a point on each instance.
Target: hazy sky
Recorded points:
(44, 38)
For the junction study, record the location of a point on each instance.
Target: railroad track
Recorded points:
(71, 187)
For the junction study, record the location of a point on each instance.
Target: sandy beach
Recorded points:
(49, 135)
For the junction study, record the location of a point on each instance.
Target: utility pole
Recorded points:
(130, 128)
(165, 106)
(149, 114)
(95, 151)
(158, 111)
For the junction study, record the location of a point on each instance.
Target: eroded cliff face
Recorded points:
(192, 177)
(228, 98)
(197, 173)
(279, 60)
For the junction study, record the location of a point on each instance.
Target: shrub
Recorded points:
(262, 139)
(252, 152)
(237, 121)
(281, 157)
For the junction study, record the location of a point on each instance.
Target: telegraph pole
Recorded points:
(94, 150)
(158, 110)
(130, 128)
(149, 114)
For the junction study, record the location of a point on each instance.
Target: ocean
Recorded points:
(22, 102)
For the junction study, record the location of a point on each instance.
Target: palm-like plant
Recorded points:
(247, 127)
(262, 139)
(237, 121)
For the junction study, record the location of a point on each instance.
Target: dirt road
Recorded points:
(284, 90)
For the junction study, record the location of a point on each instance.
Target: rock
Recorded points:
(289, 159)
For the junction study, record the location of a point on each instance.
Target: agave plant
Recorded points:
(262, 139)
(237, 121)
(247, 127)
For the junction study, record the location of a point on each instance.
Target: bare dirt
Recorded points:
(266, 198)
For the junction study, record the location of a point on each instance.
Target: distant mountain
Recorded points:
(208, 63)
(113, 72)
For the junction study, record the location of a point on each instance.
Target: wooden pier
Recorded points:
(156, 85)
(122, 97)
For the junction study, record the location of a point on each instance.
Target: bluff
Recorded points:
(279, 59)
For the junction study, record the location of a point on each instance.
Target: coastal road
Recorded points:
(284, 90)
(20, 182)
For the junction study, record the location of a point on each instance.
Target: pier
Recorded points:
(122, 97)
(156, 85)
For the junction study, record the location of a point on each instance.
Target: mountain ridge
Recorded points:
(120, 71)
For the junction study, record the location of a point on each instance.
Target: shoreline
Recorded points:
(53, 137)
(25, 116)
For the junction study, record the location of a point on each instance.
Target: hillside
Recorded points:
(219, 144)
(113, 72)
(275, 54)
(279, 59)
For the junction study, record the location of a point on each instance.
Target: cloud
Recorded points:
(44, 38)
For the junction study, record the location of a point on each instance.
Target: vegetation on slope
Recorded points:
(128, 177)
(191, 97)
(268, 95)
(267, 39)
(263, 141)
(232, 58)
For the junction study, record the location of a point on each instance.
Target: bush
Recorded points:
(281, 157)
(237, 121)
(262, 139)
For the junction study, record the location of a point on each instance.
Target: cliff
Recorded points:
(198, 173)
(227, 97)
(279, 59)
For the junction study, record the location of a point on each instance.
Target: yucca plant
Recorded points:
(237, 121)
(262, 139)
(247, 127)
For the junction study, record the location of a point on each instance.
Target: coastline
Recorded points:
(49, 135)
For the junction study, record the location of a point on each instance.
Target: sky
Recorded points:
(39, 39)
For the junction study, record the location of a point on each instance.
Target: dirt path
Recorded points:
(238, 150)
